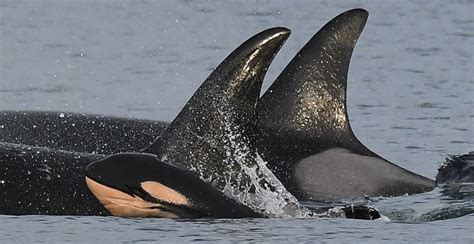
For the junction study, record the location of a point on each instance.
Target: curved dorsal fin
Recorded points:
(220, 118)
(306, 105)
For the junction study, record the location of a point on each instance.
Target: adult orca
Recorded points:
(304, 130)
(213, 137)
(87, 133)
(42, 181)
(326, 139)
(205, 163)
(36, 180)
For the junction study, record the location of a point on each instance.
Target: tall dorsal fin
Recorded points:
(220, 118)
(306, 105)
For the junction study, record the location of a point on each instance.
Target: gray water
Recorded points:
(410, 98)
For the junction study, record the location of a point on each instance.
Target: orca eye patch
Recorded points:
(164, 193)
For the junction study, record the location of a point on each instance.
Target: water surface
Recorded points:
(409, 97)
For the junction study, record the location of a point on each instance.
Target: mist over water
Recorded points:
(409, 99)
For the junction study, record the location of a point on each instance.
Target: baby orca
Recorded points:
(140, 185)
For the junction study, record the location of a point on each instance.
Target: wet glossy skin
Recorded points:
(227, 98)
(305, 112)
(37, 180)
(217, 126)
(139, 185)
(78, 132)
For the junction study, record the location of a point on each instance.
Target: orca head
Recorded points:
(124, 185)
(139, 185)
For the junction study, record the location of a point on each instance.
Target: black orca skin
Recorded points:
(129, 173)
(35, 180)
(233, 89)
(304, 111)
(134, 174)
(304, 131)
(77, 132)
(216, 126)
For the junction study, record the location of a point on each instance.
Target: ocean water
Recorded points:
(410, 98)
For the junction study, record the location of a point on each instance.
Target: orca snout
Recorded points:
(95, 170)
(140, 185)
(107, 172)
(124, 185)
(121, 170)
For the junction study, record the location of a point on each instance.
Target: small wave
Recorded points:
(446, 212)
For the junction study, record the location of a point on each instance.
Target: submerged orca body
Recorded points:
(304, 130)
(35, 180)
(77, 132)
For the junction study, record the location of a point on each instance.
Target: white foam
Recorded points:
(262, 191)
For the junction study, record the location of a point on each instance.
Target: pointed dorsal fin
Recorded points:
(306, 105)
(220, 118)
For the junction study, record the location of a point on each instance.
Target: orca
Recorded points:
(76, 132)
(205, 163)
(304, 111)
(37, 180)
(304, 131)
(213, 138)
(41, 181)
(140, 185)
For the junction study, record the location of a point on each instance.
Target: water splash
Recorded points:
(250, 181)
